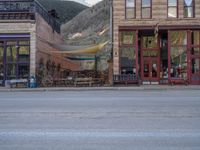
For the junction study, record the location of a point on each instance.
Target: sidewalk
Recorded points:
(121, 88)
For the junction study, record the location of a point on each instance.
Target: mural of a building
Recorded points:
(25, 26)
(156, 41)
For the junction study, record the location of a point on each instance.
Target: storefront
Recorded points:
(163, 57)
(14, 57)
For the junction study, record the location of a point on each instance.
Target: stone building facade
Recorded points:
(156, 41)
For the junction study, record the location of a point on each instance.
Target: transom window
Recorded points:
(172, 8)
(146, 9)
(188, 8)
(130, 9)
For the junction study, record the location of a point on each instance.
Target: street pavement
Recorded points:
(100, 120)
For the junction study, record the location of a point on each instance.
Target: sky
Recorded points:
(87, 2)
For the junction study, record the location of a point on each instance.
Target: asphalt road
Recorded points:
(100, 120)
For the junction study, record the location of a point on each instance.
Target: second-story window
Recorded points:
(188, 8)
(172, 8)
(146, 9)
(130, 9)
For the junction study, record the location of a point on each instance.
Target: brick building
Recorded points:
(156, 41)
(25, 25)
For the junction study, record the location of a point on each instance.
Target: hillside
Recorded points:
(89, 27)
(66, 9)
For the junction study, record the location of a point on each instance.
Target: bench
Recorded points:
(18, 83)
(126, 79)
(83, 81)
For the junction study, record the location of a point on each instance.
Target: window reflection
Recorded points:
(11, 54)
(179, 62)
(127, 38)
(172, 8)
(195, 65)
(150, 42)
(178, 38)
(146, 8)
(188, 8)
(24, 53)
(11, 71)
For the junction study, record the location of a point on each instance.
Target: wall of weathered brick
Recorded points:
(45, 34)
(159, 17)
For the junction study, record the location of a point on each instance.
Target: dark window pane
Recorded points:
(146, 12)
(128, 60)
(146, 3)
(195, 65)
(1, 55)
(178, 62)
(178, 38)
(23, 70)
(146, 70)
(11, 71)
(150, 42)
(11, 54)
(1, 43)
(188, 2)
(128, 57)
(24, 53)
(130, 13)
(130, 3)
(172, 2)
(127, 38)
(195, 38)
(195, 51)
(172, 12)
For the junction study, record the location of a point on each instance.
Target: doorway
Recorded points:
(150, 59)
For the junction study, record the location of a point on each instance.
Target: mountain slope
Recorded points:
(66, 9)
(89, 27)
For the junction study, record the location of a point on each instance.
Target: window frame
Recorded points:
(146, 7)
(130, 8)
(193, 9)
(177, 9)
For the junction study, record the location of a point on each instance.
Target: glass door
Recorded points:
(150, 60)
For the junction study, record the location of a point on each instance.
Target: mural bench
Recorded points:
(83, 81)
(126, 79)
(18, 83)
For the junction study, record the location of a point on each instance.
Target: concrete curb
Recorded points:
(132, 88)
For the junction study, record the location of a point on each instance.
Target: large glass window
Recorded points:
(188, 8)
(14, 58)
(130, 9)
(172, 8)
(128, 52)
(146, 9)
(178, 54)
